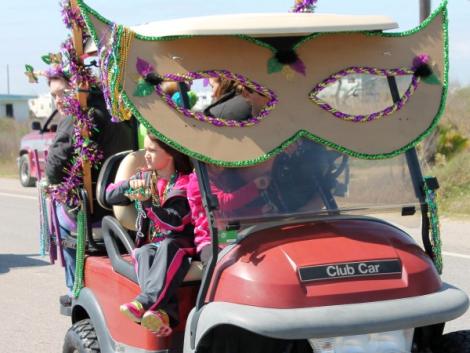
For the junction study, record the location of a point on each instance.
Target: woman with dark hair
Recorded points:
(227, 103)
(110, 138)
(162, 263)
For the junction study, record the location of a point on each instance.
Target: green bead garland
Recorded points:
(80, 255)
(44, 232)
(434, 225)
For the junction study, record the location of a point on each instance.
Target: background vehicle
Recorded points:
(37, 140)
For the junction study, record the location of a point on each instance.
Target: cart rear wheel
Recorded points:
(25, 172)
(454, 342)
(81, 338)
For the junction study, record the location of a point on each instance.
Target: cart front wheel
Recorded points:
(81, 338)
(454, 342)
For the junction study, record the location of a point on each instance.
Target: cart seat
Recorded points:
(126, 215)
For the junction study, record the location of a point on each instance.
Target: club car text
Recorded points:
(349, 270)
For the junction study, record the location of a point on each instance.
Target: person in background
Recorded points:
(227, 102)
(229, 200)
(256, 100)
(110, 137)
(170, 88)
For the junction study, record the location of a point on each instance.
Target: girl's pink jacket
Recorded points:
(227, 202)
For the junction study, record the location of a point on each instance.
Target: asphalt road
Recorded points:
(30, 286)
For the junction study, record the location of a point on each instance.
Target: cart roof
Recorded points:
(265, 24)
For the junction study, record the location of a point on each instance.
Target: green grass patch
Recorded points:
(8, 169)
(454, 180)
(11, 132)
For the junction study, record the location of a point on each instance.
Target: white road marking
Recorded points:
(454, 254)
(446, 253)
(19, 196)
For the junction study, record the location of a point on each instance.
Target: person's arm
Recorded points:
(60, 152)
(115, 193)
(174, 215)
(202, 236)
(229, 201)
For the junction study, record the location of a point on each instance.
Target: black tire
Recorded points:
(25, 172)
(81, 338)
(454, 342)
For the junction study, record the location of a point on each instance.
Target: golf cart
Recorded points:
(317, 261)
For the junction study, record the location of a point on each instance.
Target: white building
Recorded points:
(42, 106)
(15, 106)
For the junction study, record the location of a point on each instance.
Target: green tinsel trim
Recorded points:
(433, 214)
(85, 11)
(80, 254)
(301, 133)
(258, 42)
(44, 232)
(442, 8)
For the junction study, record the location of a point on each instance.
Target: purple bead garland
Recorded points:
(105, 55)
(417, 62)
(273, 101)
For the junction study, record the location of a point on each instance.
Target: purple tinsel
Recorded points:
(78, 72)
(84, 150)
(71, 15)
(56, 71)
(304, 6)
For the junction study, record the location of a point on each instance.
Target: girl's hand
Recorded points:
(140, 191)
(136, 183)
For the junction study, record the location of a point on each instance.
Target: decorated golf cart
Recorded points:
(316, 261)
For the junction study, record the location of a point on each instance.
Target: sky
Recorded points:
(32, 28)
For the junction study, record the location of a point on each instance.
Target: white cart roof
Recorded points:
(265, 24)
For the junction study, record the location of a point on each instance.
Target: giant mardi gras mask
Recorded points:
(134, 60)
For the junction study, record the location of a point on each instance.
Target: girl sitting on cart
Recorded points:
(160, 196)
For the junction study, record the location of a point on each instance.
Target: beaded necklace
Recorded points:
(155, 232)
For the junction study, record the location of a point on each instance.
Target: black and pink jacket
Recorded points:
(172, 217)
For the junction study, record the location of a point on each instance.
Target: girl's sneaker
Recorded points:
(133, 310)
(158, 322)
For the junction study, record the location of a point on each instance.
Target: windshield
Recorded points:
(308, 180)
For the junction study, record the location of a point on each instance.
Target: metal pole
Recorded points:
(424, 9)
(8, 79)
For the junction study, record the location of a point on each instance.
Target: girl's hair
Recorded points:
(182, 163)
(225, 86)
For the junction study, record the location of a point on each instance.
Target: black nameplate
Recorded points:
(350, 270)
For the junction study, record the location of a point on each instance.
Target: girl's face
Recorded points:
(155, 156)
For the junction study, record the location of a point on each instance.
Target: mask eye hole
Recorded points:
(218, 97)
(363, 94)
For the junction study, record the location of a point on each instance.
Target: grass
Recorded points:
(8, 169)
(11, 132)
(454, 174)
(454, 191)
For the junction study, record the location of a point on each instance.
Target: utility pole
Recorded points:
(8, 79)
(424, 9)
